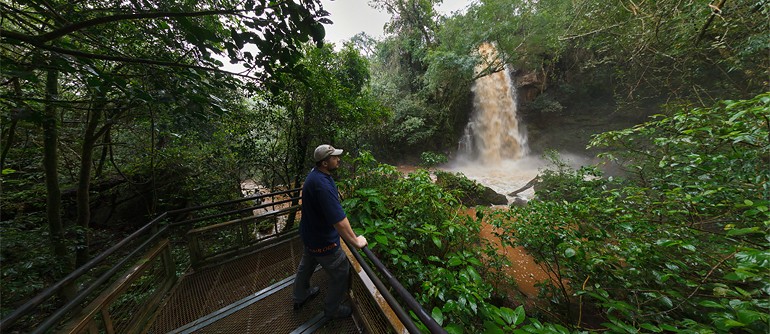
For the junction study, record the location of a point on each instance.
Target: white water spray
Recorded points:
(493, 149)
(493, 134)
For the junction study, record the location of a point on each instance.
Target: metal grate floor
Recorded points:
(200, 295)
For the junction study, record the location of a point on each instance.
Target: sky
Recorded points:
(353, 16)
(350, 17)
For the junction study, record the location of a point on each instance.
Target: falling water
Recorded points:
(493, 135)
(493, 149)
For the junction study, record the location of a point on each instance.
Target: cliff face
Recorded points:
(528, 85)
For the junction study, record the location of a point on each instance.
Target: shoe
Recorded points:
(311, 293)
(343, 311)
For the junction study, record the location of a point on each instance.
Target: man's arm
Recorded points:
(346, 232)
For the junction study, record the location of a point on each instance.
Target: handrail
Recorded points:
(406, 320)
(412, 303)
(243, 199)
(41, 297)
(51, 320)
(218, 215)
(47, 293)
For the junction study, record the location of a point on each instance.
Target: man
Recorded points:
(323, 222)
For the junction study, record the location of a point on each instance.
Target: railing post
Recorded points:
(426, 319)
(196, 254)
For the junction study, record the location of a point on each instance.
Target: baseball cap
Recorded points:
(324, 151)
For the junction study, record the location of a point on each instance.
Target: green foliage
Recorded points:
(140, 107)
(26, 270)
(464, 186)
(679, 49)
(543, 103)
(420, 232)
(432, 159)
(558, 182)
(330, 101)
(679, 245)
(424, 85)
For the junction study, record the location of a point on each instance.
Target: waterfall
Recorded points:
(493, 133)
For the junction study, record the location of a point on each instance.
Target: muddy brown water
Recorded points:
(523, 268)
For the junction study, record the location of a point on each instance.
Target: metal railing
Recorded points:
(145, 253)
(148, 268)
(407, 297)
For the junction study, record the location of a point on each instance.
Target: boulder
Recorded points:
(486, 197)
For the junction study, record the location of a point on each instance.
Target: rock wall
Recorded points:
(529, 84)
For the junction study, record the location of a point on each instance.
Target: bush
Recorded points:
(421, 233)
(545, 104)
(432, 159)
(681, 245)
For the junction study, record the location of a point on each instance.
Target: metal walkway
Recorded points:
(241, 280)
(251, 294)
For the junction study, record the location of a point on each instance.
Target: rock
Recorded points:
(492, 197)
(518, 201)
(528, 79)
(473, 193)
(528, 85)
(486, 198)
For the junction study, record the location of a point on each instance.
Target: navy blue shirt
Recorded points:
(321, 209)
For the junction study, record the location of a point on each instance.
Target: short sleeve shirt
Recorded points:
(321, 209)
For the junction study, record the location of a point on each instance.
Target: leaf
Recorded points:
(651, 328)
(492, 328)
(737, 115)
(743, 231)
(666, 301)
(318, 32)
(569, 252)
(381, 239)
(730, 323)
(454, 329)
(508, 315)
(711, 304)
(436, 241)
(437, 315)
(748, 316)
(520, 315)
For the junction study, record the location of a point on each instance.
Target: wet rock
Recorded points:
(486, 197)
(473, 193)
(518, 201)
(493, 197)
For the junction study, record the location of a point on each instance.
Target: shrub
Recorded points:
(432, 159)
(680, 245)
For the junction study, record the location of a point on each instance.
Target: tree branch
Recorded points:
(716, 11)
(144, 61)
(590, 32)
(68, 29)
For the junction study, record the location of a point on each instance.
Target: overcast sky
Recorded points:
(353, 16)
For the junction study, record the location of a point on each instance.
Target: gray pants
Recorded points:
(335, 265)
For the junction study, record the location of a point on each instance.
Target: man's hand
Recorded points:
(343, 228)
(361, 242)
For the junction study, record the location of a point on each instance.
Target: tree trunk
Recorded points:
(53, 193)
(7, 144)
(106, 142)
(84, 183)
(12, 129)
(302, 138)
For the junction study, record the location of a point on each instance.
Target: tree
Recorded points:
(329, 101)
(669, 49)
(106, 61)
(424, 107)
